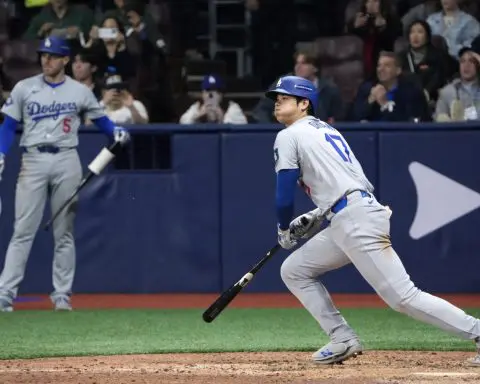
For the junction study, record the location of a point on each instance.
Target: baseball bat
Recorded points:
(95, 167)
(227, 296)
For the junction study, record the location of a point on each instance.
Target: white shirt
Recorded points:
(233, 114)
(124, 115)
(328, 167)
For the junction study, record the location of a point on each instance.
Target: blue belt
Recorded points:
(342, 203)
(46, 149)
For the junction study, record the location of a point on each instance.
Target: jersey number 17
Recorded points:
(336, 141)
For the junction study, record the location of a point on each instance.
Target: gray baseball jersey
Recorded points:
(328, 166)
(358, 233)
(51, 114)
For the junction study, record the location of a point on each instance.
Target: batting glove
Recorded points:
(2, 164)
(121, 135)
(285, 239)
(304, 225)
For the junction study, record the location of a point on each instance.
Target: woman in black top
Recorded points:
(111, 49)
(429, 64)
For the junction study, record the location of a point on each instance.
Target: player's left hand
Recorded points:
(302, 225)
(121, 135)
(285, 239)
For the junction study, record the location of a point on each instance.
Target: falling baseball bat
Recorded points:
(105, 156)
(227, 296)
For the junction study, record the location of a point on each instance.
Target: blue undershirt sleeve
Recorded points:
(105, 124)
(7, 133)
(285, 195)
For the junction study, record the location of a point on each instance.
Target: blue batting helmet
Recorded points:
(295, 86)
(54, 45)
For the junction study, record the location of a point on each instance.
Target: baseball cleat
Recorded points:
(475, 361)
(5, 305)
(336, 353)
(62, 303)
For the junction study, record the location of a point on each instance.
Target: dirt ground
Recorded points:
(232, 368)
(373, 367)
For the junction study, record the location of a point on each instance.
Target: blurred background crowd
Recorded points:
(194, 61)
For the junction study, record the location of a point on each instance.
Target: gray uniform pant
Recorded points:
(360, 234)
(43, 174)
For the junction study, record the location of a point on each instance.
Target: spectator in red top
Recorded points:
(378, 27)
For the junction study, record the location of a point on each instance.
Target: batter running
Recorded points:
(315, 155)
(50, 107)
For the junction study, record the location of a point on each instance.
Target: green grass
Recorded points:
(28, 334)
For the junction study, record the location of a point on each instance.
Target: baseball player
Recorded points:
(49, 106)
(316, 155)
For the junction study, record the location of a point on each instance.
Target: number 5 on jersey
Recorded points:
(66, 125)
(336, 141)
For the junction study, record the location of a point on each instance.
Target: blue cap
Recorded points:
(295, 86)
(54, 45)
(212, 82)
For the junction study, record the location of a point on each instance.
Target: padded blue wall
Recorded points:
(199, 225)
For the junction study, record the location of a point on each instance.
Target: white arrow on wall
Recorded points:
(440, 200)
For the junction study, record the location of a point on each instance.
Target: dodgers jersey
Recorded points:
(51, 114)
(328, 167)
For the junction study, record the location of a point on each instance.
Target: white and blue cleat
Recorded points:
(475, 361)
(336, 353)
(62, 303)
(5, 305)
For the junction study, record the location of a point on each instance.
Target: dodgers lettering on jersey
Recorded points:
(38, 111)
(328, 167)
(51, 115)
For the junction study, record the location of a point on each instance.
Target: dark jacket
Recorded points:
(432, 70)
(123, 61)
(409, 103)
(330, 104)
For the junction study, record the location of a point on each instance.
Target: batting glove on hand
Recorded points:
(121, 135)
(2, 164)
(285, 239)
(303, 225)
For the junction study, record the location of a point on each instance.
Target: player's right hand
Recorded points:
(285, 239)
(121, 135)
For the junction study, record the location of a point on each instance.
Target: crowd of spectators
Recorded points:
(420, 62)
(420, 59)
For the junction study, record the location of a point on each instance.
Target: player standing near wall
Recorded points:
(50, 107)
